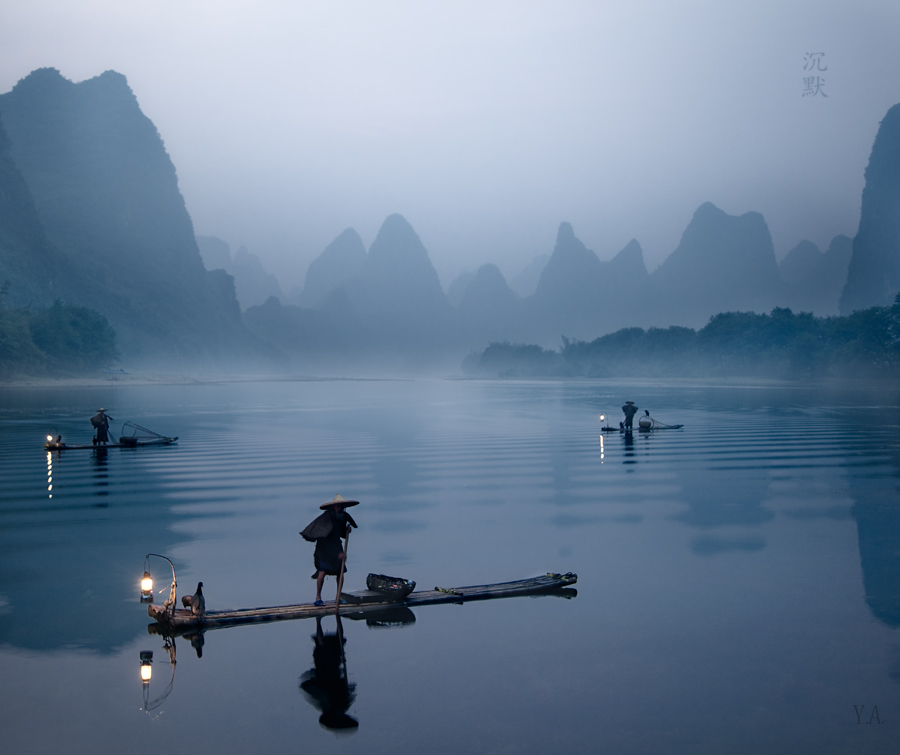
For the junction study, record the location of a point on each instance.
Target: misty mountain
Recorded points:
(392, 311)
(526, 282)
(723, 263)
(457, 289)
(252, 284)
(567, 298)
(625, 288)
(813, 280)
(873, 278)
(800, 262)
(27, 259)
(573, 276)
(312, 338)
(627, 268)
(342, 259)
(107, 196)
(397, 296)
(488, 308)
(580, 296)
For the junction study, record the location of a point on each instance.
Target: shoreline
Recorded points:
(137, 379)
(143, 380)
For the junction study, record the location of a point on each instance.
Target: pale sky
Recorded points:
(486, 124)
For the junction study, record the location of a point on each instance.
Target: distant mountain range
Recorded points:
(90, 213)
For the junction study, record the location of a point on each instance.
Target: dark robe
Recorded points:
(326, 530)
(101, 422)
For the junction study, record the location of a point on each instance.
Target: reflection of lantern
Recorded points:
(146, 670)
(147, 588)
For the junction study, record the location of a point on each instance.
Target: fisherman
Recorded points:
(101, 421)
(326, 530)
(630, 410)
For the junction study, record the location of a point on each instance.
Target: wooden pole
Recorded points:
(337, 601)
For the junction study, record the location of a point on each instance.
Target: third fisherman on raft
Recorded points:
(100, 421)
(629, 410)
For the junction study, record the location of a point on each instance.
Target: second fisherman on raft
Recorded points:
(326, 530)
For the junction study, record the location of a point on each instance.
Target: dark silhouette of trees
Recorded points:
(62, 339)
(780, 344)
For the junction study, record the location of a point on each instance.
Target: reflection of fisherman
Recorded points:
(630, 410)
(101, 421)
(326, 685)
(327, 530)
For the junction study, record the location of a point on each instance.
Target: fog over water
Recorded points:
(485, 127)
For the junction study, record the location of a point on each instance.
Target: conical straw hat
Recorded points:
(339, 500)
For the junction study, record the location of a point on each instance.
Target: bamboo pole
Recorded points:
(337, 600)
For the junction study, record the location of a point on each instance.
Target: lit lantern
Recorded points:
(602, 417)
(49, 438)
(146, 588)
(146, 670)
(147, 583)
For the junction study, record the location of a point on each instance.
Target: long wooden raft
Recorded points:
(359, 602)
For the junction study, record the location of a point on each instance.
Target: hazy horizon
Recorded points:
(485, 127)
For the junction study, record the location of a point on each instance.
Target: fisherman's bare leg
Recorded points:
(320, 580)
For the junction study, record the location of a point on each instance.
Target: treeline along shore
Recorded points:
(780, 344)
(62, 339)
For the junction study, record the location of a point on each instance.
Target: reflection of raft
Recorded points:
(137, 436)
(362, 602)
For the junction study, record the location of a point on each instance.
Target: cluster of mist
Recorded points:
(95, 218)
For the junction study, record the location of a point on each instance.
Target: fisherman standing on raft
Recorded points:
(630, 410)
(326, 530)
(101, 422)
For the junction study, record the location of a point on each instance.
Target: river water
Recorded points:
(738, 579)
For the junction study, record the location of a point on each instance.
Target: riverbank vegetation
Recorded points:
(780, 345)
(62, 340)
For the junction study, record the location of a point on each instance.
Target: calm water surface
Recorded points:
(738, 580)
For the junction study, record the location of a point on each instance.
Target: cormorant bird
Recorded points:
(198, 602)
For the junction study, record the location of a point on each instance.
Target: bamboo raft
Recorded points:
(136, 437)
(124, 442)
(358, 604)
